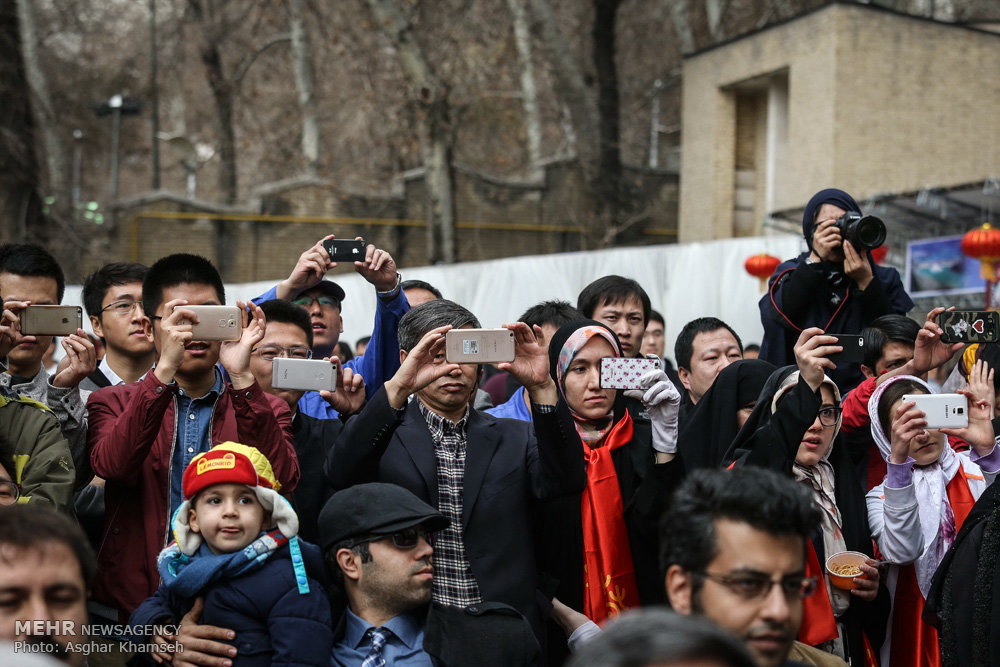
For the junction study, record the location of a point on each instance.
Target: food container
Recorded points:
(839, 565)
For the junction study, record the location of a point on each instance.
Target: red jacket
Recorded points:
(131, 438)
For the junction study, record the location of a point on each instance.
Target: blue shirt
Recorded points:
(379, 362)
(404, 648)
(194, 435)
(513, 408)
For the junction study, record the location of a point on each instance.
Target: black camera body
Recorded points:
(863, 231)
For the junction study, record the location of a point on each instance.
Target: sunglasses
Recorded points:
(307, 301)
(404, 539)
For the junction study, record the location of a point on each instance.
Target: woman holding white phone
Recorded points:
(917, 511)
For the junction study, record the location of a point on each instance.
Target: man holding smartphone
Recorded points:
(29, 274)
(321, 298)
(144, 434)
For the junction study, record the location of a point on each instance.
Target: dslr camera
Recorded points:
(863, 231)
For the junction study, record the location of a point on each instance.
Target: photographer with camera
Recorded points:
(834, 285)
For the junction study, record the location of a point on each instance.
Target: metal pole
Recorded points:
(116, 127)
(154, 95)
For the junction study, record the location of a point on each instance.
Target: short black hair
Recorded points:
(286, 312)
(431, 315)
(175, 270)
(420, 284)
(345, 350)
(610, 290)
(659, 636)
(32, 526)
(684, 345)
(752, 347)
(31, 259)
(364, 340)
(555, 313)
(333, 571)
(97, 284)
(655, 316)
(766, 500)
(886, 329)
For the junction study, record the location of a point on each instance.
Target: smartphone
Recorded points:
(625, 373)
(303, 374)
(345, 250)
(217, 322)
(479, 346)
(942, 410)
(854, 349)
(970, 326)
(51, 320)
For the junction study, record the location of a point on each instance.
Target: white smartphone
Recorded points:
(217, 322)
(626, 372)
(303, 374)
(942, 410)
(479, 346)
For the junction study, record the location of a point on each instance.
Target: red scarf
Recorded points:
(818, 622)
(608, 572)
(915, 643)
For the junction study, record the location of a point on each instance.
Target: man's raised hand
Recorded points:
(531, 365)
(308, 270)
(234, 355)
(378, 268)
(424, 364)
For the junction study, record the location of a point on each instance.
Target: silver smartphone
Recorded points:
(479, 346)
(51, 320)
(942, 410)
(626, 372)
(303, 374)
(217, 322)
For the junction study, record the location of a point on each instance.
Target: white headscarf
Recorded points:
(931, 486)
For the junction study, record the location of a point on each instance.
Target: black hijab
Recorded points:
(708, 432)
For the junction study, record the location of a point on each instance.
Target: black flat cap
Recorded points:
(374, 509)
(328, 288)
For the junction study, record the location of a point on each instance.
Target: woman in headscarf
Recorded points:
(915, 514)
(833, 285)
(603, 546)
(793, 429)
(709, 431)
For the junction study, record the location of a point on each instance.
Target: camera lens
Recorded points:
(869, 232)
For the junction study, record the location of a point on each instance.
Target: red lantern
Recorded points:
(983, 243)
(879, 253)
(761, 266)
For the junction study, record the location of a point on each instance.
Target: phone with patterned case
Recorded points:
(625, 372)
(970, 326)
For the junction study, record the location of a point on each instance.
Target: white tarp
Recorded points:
(683, 281)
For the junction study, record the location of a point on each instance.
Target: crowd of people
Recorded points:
(163, 501)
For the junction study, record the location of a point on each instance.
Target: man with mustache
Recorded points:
(733, 545)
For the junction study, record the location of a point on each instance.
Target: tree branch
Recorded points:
(244, 67)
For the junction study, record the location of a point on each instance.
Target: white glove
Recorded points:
(663, 403)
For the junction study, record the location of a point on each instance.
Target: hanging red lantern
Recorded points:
(983, 243)
(761, 266)
(879, 253)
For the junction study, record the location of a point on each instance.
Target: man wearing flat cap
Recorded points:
(834, 285)
(376, 546)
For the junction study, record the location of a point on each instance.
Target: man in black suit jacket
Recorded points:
(484, 474)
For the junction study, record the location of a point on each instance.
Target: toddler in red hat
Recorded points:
(235, 545)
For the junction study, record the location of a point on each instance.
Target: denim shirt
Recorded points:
(194, 435)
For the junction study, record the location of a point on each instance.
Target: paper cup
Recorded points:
(839, 561)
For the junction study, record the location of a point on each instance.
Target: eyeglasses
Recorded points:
(269, 352)
(9, 492)
(404, 539)
(307, 301)
(122, 308)
(751, 586)
(830, 415)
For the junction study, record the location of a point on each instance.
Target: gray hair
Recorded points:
(661, 637)
(431, 315)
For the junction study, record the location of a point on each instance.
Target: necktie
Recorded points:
(378, 637)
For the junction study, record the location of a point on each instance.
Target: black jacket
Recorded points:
(313, 441)
(510, 466)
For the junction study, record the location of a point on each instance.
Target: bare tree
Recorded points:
(431, 98)
(529, 93)
(304, 81)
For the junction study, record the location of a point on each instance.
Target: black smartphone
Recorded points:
(854, 349)
(345, 250)
(970, 326)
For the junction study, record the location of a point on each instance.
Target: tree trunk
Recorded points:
(304, 81)
(680, 16)
(19, 197)
(609, 173)
(529, 94)
(435, 129)
(44, 116)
